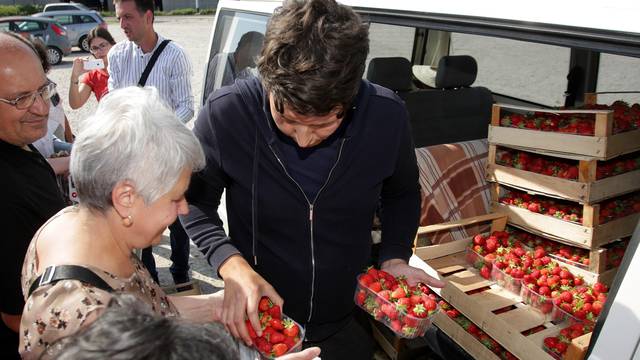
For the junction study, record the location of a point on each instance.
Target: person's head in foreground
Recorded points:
(128, 329)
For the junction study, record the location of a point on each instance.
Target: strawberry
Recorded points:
(275, 312)
(279, 349)
(276, 337)
(389, 310)
(385, 294)
(290, 328)
(396, 325)
(360, 297)
(375, 286)
(365, 280)
(265, 304)
(263, 345)
(373, 272)
(290, 341)
(485, 272)
(399, 293)
(419, 311)
(276, 324)
(252, 332)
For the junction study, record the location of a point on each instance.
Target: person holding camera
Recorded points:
(91, 76)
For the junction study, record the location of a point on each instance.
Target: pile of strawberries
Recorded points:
(404, 309)
(611, 209)
(615, 252)
(557, 345)
(485, 251)
(280, 334)
(625, 118)
(564, 168)
(559, 251)
(475, 331)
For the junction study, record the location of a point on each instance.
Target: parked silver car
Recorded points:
(51, 33)
(78, 23)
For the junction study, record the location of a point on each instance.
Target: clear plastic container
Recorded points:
(404, 325)
(506, 281)
(295, 348)
(559, 316)
(543, 304)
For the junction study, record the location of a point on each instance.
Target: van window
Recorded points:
(529, 71)
(390, 41)
(234, 49)
(618, 73)
(61, 7)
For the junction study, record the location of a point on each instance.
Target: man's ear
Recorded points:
(149, 17)
(123, 196)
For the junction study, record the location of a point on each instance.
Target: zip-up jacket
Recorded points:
(309, 250)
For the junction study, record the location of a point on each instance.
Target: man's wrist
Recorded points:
(232, 264)
(392, 262)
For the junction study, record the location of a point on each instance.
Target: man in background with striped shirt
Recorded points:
(171, 75)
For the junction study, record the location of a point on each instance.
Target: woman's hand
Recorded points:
(78, 68)
(243, 289)
(308, 354)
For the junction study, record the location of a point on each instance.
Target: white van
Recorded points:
(543, 54)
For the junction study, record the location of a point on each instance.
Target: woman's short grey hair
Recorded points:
(134, 137)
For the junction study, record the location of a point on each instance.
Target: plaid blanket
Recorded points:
(453, 187)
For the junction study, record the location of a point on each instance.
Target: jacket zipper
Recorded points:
(311, 204)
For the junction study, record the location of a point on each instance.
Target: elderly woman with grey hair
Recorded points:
(131, 163)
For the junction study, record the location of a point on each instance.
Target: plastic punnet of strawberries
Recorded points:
(280, 334)
(483, 251)
(580, 304)
(407, 310)
(557, 345)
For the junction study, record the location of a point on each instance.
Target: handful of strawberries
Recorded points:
(557, 345)
(404, 309)
(280, 334)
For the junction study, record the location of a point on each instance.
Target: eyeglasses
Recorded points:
(26, 101)
(94, 49)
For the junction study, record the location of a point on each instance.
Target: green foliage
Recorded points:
(19, 10)
(188, 11)
(207, 11)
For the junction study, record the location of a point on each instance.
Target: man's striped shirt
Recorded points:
(171, 74)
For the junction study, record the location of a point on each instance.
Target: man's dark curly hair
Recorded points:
(313, 56)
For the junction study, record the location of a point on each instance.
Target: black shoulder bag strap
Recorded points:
(152, 61)
(53, 274)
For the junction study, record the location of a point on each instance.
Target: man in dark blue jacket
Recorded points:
(306, 153)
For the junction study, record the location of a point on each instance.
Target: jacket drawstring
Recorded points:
(254, 198)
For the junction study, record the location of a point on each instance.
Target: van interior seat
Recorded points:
(391, 72)
(453, 111)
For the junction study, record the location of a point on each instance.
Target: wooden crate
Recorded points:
(466, 341)
(603, 145)
(586, 190)
(447, 261)
(589, 235)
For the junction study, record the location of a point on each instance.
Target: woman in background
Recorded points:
(84, 82)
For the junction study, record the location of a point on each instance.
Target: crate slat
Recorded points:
(472, 346)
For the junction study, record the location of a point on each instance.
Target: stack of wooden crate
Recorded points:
(586, 191)
(518, 327)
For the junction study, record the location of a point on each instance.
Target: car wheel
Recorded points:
(84, 44)
(54, 56)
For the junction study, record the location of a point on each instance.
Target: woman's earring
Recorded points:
(127, 221)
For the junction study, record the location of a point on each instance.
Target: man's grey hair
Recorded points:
(134, 137)
(128, 329)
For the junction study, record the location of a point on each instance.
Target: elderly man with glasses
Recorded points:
(27, 182)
